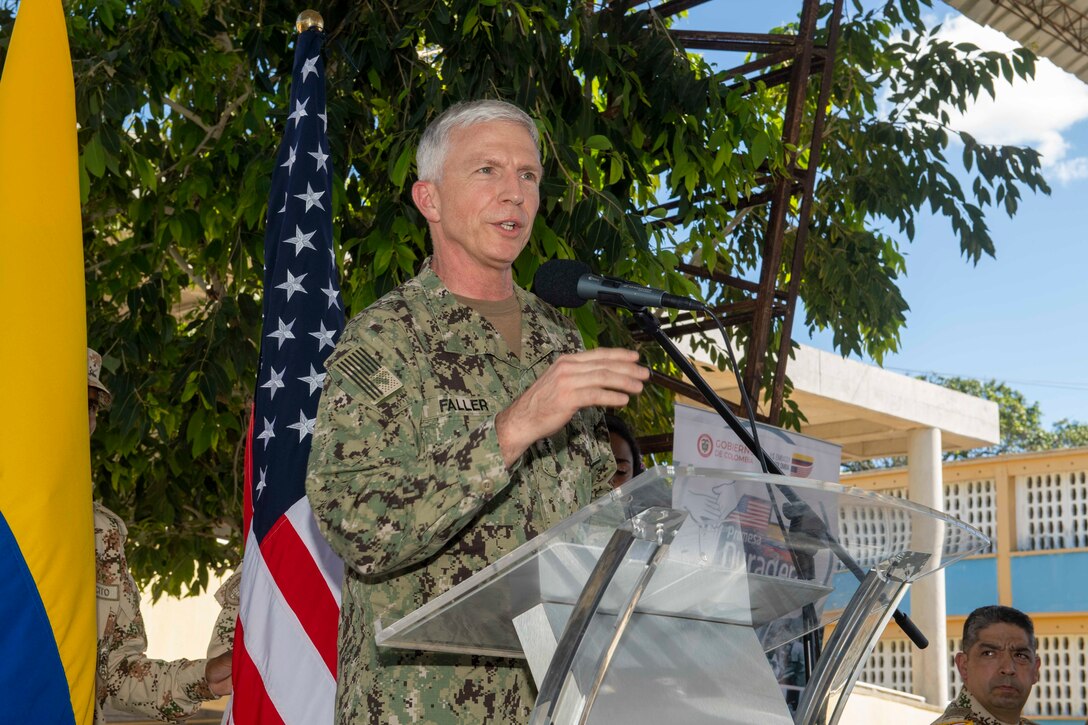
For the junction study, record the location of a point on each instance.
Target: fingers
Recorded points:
(604, 353)
(605, 377)
(218, 674)
(585, 379)
(595, 377)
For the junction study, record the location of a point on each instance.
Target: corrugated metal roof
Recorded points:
(1053, 29)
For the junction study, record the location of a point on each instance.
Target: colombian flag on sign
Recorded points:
(47, 603)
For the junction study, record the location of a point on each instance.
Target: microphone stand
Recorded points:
(798, 510)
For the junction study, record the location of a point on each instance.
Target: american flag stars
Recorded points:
(290, 162)
(303, 324)
(300, 111)
(311, 197)
(293, 285)
(301, 240)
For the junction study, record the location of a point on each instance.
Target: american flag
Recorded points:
(285, 642)
(750, 513)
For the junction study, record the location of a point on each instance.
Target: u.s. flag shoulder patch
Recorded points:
(373, 379)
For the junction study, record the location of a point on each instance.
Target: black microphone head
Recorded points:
(556, 282)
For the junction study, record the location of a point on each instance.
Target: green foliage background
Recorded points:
(181, 104)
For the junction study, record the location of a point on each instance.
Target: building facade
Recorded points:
(1034, 508)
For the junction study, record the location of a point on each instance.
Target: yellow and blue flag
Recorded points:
(47, 601)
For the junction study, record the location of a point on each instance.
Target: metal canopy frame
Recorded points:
(774, 60)
(1054, 29)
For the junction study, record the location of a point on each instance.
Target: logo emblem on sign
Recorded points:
(705, 445)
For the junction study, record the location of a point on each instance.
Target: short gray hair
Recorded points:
(434, 144)
(983, 617)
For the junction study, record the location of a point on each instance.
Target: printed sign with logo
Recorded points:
(703, 439)
(744, 529)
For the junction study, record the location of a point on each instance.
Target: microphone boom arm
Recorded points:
(652, 327)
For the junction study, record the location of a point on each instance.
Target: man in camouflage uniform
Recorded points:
(998, 666)
(125, 678)
(458, 420)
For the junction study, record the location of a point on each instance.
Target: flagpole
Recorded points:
(309, 19)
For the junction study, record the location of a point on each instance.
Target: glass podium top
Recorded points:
(752, 549)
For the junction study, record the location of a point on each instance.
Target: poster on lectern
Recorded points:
(744, 525)
(740, 526)
(703, 439)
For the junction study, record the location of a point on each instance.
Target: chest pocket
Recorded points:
(586, 438)
(445, 417)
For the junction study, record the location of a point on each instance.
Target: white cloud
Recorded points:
(1037, 113)
(1071, 170)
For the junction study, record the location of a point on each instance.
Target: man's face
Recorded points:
(1000, 669)
(482, 210)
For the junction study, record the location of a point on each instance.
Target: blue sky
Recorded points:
(1019, 318)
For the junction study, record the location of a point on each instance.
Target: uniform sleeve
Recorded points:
(385, 493)
(132, 682)
(229, 596)
(602, 484)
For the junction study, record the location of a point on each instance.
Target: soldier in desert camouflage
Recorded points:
(459, 419)
(125, 679)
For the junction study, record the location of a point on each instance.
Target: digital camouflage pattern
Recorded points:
(125, 678)
(966, 710)
(229, 596)
(408, 484)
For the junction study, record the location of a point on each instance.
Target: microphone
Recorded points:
(569, 283)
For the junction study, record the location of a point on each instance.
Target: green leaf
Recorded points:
(105, 12)
(760, 146)
(615, 170)
(400, 168)
(600, 143)
(94, 157)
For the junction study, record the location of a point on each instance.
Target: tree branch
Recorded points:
(212, 133)
(185, 112)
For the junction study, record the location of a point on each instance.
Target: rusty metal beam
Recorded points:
(727, 279)
(675, 7)
(731, 315)
(757, 199)
(659, 443)
(664, 10)
(778, 76)
(759, 339)
(739, 42)
(785, 343)
(773, 60)
(675, 385)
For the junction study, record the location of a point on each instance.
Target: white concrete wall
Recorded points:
(870, 704)
(180, 627)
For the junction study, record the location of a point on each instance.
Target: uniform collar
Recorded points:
(966, 700)
(461, 324)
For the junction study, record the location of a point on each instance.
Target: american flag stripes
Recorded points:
(285, 644)
(750, 513)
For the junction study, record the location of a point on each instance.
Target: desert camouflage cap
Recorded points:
(94, 369)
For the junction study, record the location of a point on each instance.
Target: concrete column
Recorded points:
(925, 484)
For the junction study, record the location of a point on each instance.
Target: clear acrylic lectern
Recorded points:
(682, 597)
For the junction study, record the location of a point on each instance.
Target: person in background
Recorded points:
(998, 665)
(125, 679)
(624, 450)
